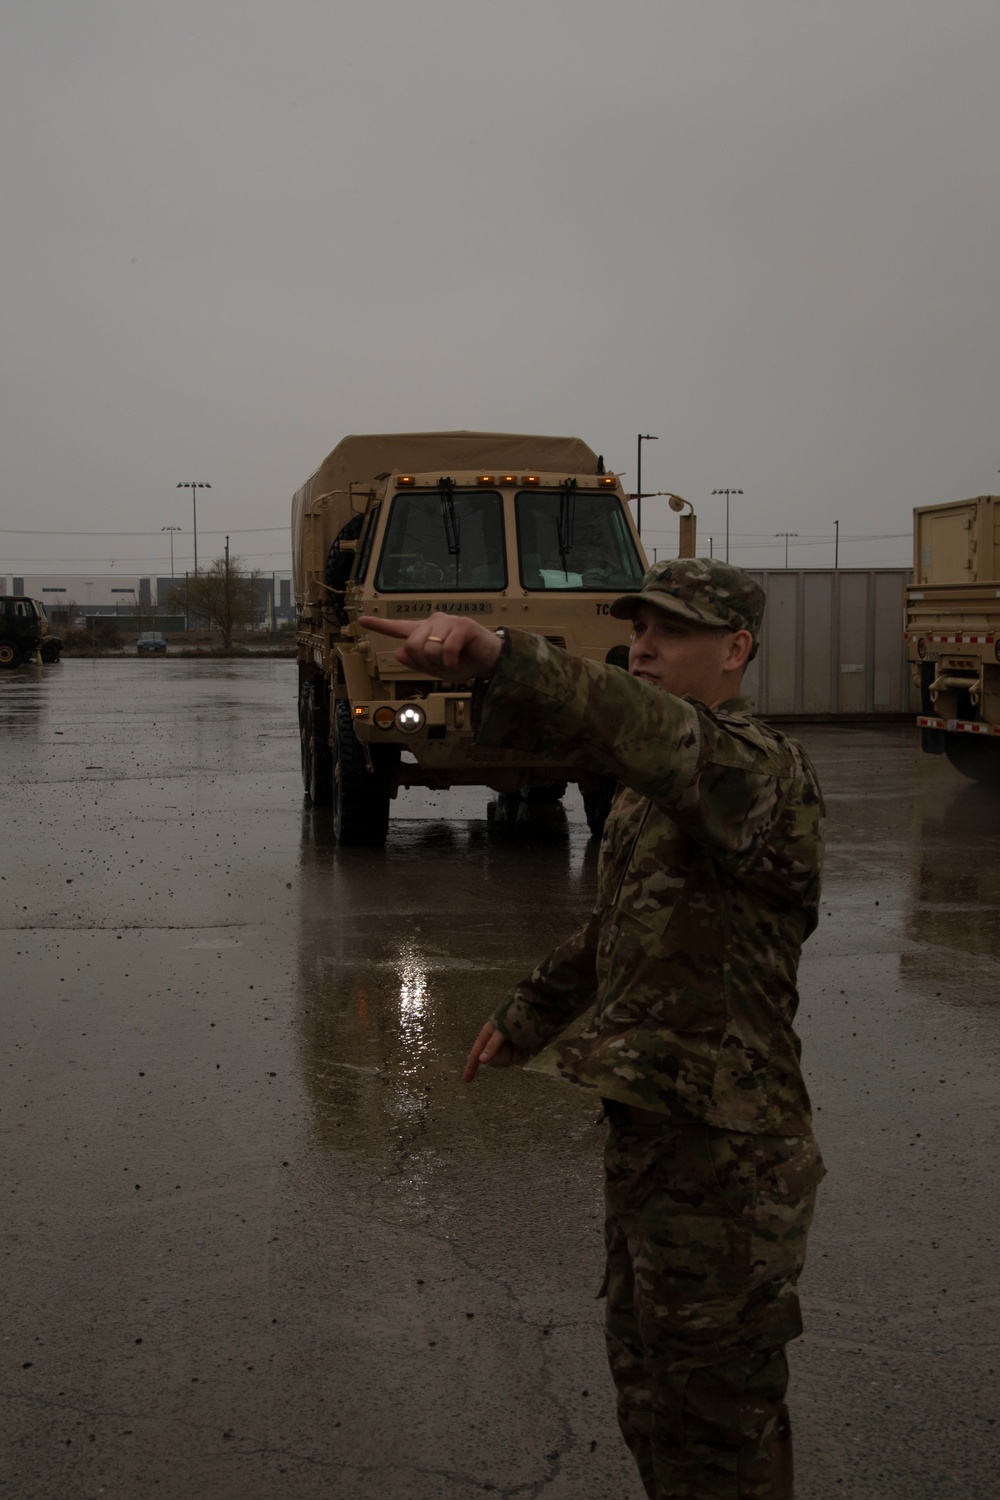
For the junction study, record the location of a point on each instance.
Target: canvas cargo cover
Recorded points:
(363, 457)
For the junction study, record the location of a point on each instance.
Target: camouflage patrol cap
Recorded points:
(702, 590)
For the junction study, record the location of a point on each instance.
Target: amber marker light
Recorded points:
(608, 480)
(485, 479)
(384, 717)
(508, 478)
(360, 713)
(530, 479)
(405, 479)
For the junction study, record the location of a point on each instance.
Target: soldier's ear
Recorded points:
(740, 647)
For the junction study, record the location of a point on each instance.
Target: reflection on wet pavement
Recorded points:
(265, 1241)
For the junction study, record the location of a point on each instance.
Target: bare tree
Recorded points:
(224, 594)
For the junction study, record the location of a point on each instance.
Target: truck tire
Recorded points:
(51, 653)
(597, 805)
(361, 796)
(10, 654)
(321, 769)
(554, 792)
(978, 758)
(305, 733)
(314, 736)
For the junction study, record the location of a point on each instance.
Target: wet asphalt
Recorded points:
(260, 1241)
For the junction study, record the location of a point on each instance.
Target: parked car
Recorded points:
(150, 641)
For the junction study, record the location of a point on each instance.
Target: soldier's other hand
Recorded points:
(441, 645)
(491, 1049)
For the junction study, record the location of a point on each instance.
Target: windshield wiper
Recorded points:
(452, 524)
(566, 522)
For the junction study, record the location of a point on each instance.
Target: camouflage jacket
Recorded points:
(708, 885)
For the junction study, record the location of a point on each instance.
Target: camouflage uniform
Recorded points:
(708, 886)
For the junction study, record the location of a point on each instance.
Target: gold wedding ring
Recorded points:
(438, 638)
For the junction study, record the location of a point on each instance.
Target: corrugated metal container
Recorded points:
(832, 643)
(958, 542)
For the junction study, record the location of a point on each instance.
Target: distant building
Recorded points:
(81, 594)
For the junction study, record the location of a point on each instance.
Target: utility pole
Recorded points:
(194, 486)
(727, 494)
(171, 529)
(786, 535)
(836, 545)
(643, 437)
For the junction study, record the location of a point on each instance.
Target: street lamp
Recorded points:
(727, 494)
(194, 486)
(643, 437)
(171, 529)
(786, 535)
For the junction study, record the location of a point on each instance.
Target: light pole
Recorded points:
(836, 545)
(194, 486)
(171, 529)
(643, 437)
(727, 494)
(786, 535)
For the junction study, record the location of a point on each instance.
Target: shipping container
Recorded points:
(831, 646)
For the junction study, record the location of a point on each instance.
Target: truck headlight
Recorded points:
(410, 719)
(384, 717)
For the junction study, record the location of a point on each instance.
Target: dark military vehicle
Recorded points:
(24, 632)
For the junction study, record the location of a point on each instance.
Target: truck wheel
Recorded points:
(978, 758)
(360, 796)
(51, 654)
(10, 656)
(321, 766)
(509, 805)
(597, 805)
(306, 734)
(314, 738)
(554, 793)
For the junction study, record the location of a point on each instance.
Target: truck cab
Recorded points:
(544, 546)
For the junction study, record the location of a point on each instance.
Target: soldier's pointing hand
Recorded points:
(443, 644)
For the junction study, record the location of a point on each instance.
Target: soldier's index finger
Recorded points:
(402, 629)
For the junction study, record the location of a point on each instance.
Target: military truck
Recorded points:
(953, 632)
(510, 528)
(24, 632)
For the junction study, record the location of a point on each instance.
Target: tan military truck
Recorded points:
(953, 632)
(513, 529)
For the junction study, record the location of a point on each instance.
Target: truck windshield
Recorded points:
(575, 539)
(443, 539)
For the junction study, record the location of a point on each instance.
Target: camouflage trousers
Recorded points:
(706, 1235)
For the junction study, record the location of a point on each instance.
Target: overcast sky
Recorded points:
(765, 231)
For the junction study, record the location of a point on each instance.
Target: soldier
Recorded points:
(708, 885)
